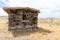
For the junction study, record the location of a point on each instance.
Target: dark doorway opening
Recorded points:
(24, 17)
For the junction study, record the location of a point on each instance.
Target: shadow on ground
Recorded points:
(28, 31)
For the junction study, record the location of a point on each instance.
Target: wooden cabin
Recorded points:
(21, 17)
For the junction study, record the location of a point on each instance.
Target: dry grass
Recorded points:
(45, 26)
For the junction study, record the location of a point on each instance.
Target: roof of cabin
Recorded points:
(7, 9)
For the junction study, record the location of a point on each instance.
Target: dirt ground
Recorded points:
(48, 30)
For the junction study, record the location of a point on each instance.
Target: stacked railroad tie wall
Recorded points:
(22, 17)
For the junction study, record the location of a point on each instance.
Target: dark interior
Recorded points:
(34, 19)
(13, 11)
(17, 23)
(24, 23)
(24, 17)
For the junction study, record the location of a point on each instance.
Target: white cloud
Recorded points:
(2, 12)
(45, 6)
(34, 3)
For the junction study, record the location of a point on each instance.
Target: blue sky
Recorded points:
(48, 8)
